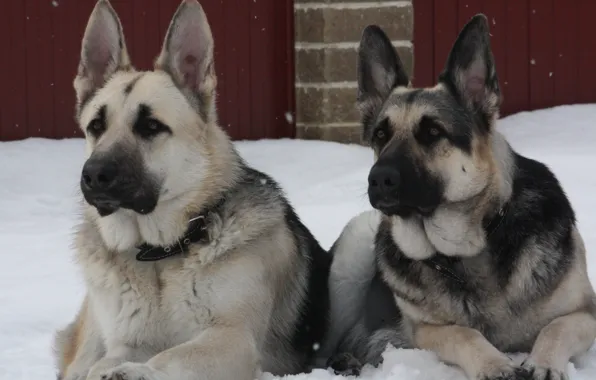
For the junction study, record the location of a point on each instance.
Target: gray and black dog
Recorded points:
(472, 250)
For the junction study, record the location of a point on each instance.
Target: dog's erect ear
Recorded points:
(470, 70)
(187, 52)
(380, 70)
(103, 51)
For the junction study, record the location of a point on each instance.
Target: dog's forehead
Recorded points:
(125, 92)
(405, 107)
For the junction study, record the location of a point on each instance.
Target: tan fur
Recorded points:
(72, 339)
(466, 348)
(225, 309)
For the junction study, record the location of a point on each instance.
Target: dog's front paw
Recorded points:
(131, 371)
(539, 372)
(506, 372)
(345, 364)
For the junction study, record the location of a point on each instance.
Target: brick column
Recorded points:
(327, 36)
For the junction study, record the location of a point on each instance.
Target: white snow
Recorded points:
(40, 287)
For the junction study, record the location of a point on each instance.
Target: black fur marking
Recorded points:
(382, 134)
(429, 131)
(313, 322)
(146, 126)
(538, 205)
(379, 313)
(128, 88)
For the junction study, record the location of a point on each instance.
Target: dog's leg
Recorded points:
(78, 346)
(468, 349)
(219, 353)
(558, 342)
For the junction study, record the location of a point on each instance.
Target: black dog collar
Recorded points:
(195, 233)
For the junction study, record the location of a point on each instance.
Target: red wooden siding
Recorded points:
(254, 47)
(544, 49)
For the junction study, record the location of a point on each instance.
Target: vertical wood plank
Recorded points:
(215, 11)
(466, 9)
(19, 90)
(517, 62)
(234, 15)
(280, 89)
(152, 34)
(586, 85)
(5, 68)
(14, 96)
(287, 128)
(33, 76)
(566, 51)
(64, 68)
(261, 50)
(45, 101)
(497, 19)
(166, 12)
(446, 30)
(542, 67)
(126, 13)
(138, 36)
(424, 41)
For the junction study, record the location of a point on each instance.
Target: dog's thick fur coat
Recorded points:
(250, 297)
(473, 250)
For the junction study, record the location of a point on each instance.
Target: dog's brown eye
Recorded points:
(96, 127)
(429, 131)
(381, 133)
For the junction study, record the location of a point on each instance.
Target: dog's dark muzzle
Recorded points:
(399, 192)
(109, 184)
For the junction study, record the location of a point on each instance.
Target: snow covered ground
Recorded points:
(40, 288)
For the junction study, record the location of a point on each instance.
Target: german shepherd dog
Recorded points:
(473, 250)
(196, 266)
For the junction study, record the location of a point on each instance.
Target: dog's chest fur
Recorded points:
(509, 310)
(154, 305)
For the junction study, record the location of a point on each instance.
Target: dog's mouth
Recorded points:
(108, 205)
(396, 208)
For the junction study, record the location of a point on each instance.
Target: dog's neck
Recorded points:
(460, 229)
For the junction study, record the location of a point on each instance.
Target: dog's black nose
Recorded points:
(99, 174)
(384, 179)
(383, 188)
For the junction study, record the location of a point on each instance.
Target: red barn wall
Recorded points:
(40, 40)
(545, 50)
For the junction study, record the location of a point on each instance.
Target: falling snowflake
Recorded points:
(289, 117)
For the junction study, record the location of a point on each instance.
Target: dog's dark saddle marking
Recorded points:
(195, 233)
(441, 263)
